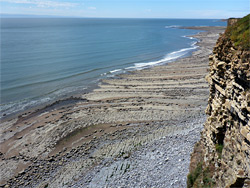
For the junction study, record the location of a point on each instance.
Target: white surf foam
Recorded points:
(168, 58)
(192, 38)
(114, 71)
(172, 26)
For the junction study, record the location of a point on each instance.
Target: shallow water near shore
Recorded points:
(44, 60)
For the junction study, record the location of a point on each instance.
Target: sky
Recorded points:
(129, 8)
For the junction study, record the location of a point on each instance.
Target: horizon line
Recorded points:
(8, 15)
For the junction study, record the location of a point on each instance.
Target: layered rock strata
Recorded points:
(222, 156)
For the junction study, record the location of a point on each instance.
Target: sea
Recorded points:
(47, 59)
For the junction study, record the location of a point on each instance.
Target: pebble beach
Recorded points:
(134, 130)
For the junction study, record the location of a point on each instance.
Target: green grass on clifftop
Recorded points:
(239, 33)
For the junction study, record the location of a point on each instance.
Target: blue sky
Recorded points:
(129, 8)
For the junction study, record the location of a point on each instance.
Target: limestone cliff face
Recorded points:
(232, 21)
(222, 156)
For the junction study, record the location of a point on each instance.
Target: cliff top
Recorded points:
(239, 33)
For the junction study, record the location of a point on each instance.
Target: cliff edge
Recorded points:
(222, 156)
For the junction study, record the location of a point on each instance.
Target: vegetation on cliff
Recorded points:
(239, 33)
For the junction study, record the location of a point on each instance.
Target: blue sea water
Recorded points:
(43, 59)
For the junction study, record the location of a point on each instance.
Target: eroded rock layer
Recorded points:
(222, 157)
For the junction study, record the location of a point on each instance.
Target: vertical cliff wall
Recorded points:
(222, 157)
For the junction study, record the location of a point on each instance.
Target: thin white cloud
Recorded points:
(40, 3)
(92, 8)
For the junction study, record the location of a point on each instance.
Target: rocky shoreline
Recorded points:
(137, 130)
